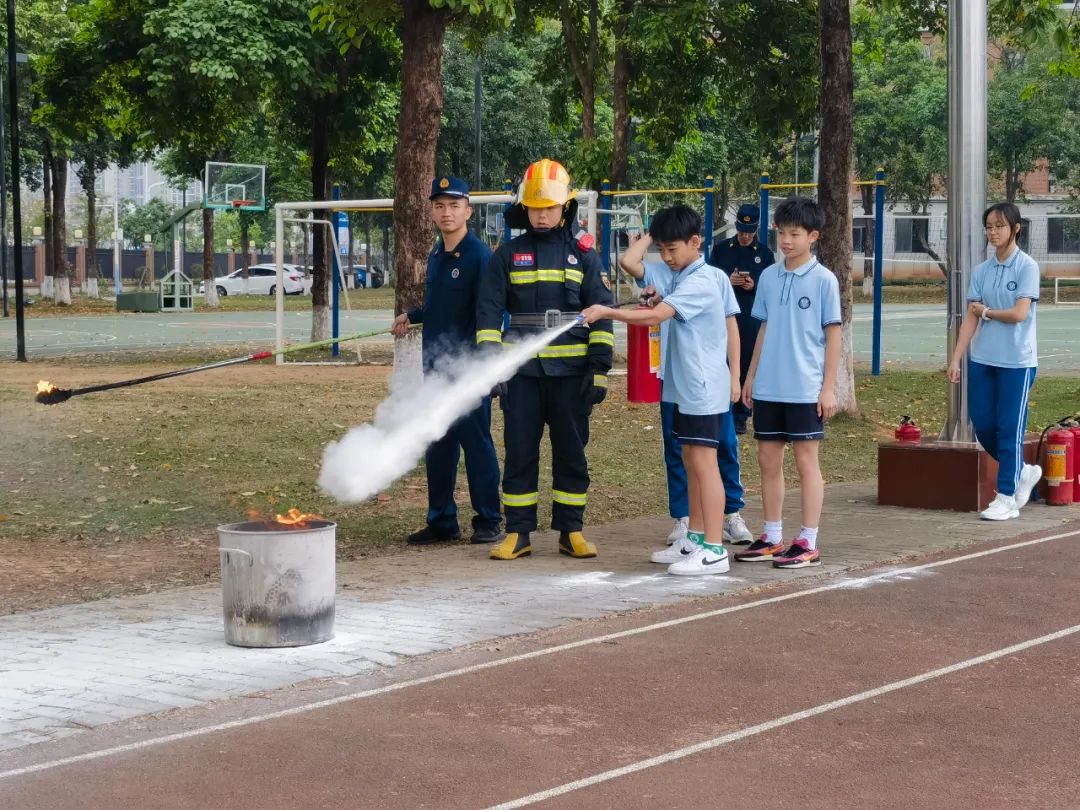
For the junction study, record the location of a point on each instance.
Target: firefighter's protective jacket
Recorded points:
(532, 274)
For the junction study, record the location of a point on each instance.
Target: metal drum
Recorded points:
(278, 583)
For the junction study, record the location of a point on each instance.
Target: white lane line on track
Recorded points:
(787, 719)
(513, 659)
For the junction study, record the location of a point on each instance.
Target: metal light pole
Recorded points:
(118, 235)
(3, 207)
(966, 183)
(16, 186)
(478, 106)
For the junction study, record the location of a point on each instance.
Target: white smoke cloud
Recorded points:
(370, 457)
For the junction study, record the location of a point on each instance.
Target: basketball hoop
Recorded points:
(237, 204)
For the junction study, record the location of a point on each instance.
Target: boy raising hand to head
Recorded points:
(702, 372)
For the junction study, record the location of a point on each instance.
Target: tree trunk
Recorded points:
(47, 192)
(422, 31)
(834, 178)
(61, 267)
(321, 270)
(620, 154)
(369, 259)
(583, 58)
(208, 269)
(93, 273)
(1012, 179)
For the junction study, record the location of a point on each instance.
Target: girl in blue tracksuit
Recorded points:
(1000, 328)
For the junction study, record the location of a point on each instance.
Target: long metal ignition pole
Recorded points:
(49, 394)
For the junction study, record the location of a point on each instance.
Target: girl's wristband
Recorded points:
(985, 314)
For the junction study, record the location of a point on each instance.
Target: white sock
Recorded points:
(774, 531)
(810, 536)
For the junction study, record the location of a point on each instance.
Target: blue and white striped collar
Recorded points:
(1009, 262)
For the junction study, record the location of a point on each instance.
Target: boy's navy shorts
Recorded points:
(787, 421)
(691, 429)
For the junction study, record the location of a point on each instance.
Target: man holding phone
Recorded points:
(744, 259)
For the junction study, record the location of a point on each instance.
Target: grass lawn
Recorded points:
(136, 480)
(222, 441)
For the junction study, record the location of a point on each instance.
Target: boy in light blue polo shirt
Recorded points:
(701, 379)
(1000, 328)
(792, 379)
(659, 276)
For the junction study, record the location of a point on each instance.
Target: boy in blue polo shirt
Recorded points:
(792, 378)
(702, 374)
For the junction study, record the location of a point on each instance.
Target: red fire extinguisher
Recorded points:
(1076, 462)
(908, 431)
(1059, 465)
(642, 363)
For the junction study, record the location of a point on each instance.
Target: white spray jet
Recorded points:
(370, 457)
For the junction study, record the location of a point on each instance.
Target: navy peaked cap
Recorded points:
(447, 185)
(746, 220)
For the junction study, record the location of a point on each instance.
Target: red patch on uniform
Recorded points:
(524, 259)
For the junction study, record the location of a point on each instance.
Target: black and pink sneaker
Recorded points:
(761, 550)
(797, 555)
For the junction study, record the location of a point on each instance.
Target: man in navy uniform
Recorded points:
(543, 278)
(744, 259)
(454, 270)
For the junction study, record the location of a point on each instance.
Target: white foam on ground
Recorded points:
(370, 457)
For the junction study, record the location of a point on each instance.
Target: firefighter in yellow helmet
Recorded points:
(544, 278)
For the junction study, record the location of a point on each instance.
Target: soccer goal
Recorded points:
(1066, 290)
(304, 212)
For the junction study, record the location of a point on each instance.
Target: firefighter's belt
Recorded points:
(543, 320)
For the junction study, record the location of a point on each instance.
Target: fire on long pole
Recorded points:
(49, 394)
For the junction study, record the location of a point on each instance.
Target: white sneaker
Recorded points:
(1029, 477)
(679, 530)
(705, 559)
(679, 550)
(735, 531)
(1003, 507)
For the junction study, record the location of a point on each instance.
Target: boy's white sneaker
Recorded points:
(1029, 477)
(679, 530)
(679, 550)
(735, 531)
(705, 559)
(1003, 507)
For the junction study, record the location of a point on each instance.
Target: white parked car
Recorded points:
(262, 280)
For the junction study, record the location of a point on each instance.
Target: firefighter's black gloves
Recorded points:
(594, 388)
(498, 391)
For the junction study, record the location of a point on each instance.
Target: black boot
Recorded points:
(427, 536)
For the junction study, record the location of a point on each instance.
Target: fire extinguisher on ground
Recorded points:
(908, 431)
(1058, 447)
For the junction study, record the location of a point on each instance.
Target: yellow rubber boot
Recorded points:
(514, 545)
(575, 544)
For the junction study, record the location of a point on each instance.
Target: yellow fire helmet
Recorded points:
(546, 184)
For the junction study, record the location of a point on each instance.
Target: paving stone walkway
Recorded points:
(68, 669)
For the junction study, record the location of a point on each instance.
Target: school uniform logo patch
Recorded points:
(1011, 286)
(804, 303)
(455, 273)
(524, 259)
(757, 260)
(571, 259)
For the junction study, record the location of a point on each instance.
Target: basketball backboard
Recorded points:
(235, 187)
